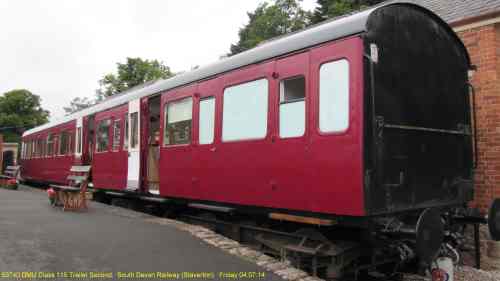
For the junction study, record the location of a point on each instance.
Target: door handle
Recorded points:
(213, 149)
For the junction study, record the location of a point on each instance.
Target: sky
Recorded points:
(60, 49)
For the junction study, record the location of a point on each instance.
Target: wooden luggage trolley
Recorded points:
(73, 195)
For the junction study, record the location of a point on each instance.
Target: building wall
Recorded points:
(483, 44)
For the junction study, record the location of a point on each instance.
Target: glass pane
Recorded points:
(293, 89)
(50, 145)
(207, 120)
(116, 134)
(63, 143)
(126, 132)
(334, 96)
(79, 140)
(102, 141)
(178, 122)
(245, 111)
(292, 119)
(134, 120)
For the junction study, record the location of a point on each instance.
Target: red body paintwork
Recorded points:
(53, 168)
(314, 173)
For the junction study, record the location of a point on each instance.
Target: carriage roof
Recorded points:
(314, 35)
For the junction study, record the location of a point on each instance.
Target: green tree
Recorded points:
(134, 72)
(333, 8)
(270, 20)
(78, 104)
(20, 110)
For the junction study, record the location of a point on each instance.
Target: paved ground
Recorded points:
(35, 237)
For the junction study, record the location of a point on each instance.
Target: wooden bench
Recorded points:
(73, 195)
(9, 178)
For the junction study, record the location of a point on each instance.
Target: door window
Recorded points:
(177, 129)
(134, 132)
(207, 120)
(116, 134)
(102, 136)
(126, 132)
(292, 107)
(79, 140)
(50, 144)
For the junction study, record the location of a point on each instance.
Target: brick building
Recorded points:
(477, 22)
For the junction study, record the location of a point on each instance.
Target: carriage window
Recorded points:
(245, 111)
(102, 137)
(178, 122)
(334, 96)
(43, 150)
(116, 134)
(63, 143)
(207, 120)
(125, 132)
(33, 149)
(134, 123)
(79, 140)
(71, 142)
(292, 107)
(50, 144)
(39, 147)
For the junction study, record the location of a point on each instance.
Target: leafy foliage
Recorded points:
(285, 16)
(78, 104)
(20, 110)
(134, 72)
(333, 8)
(268, 21)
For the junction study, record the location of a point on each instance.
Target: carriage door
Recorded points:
(134, 163)
(291, 136)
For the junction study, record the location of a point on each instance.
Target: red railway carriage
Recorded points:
(50, 153)
(276, 164)
(287, 125)
(364, 120)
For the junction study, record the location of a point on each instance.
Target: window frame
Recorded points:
(304, 99)
(108, 147)
(125, 132)
(269, 104)
(134, 134)
(78, 140)
(349, 97)
(200, 100)
(50, 152)
(165, 121)
(65, 133)
(119, 146)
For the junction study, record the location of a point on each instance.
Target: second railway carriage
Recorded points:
(354, 120)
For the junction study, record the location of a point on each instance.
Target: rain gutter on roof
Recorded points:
(319, 34)
(475, 22)
(315, 35)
